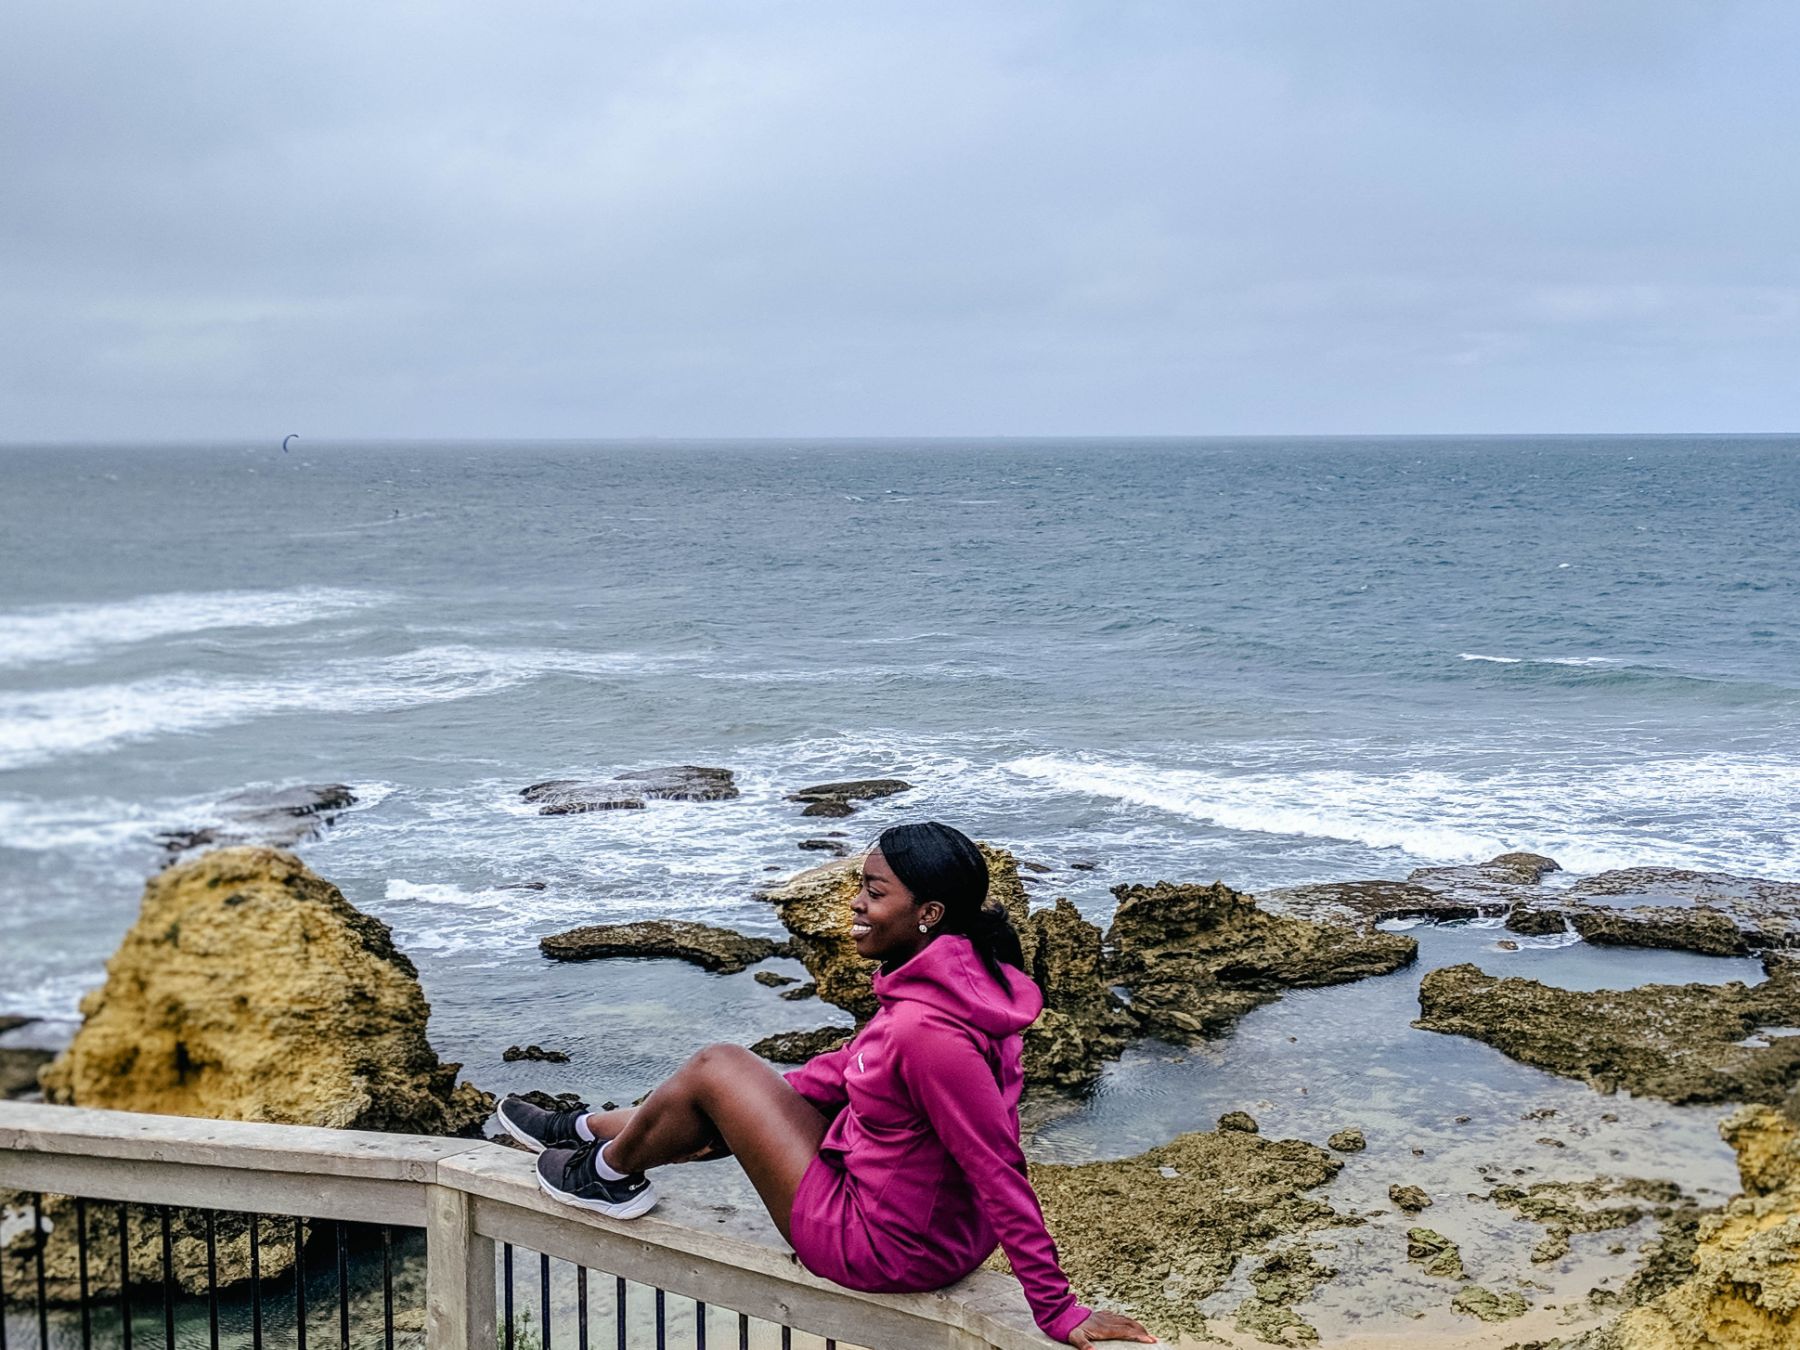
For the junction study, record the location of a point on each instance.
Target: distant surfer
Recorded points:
(291, 436)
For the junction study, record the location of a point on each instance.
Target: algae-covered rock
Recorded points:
(1743, 1292)
(276, 817)
(1435, 1252)
(710, 948)
(1282, 1280)
(837, 799)
(1488, 1305)
(1082, 1023)
(1241, 1121)
(627, 791)
(1347, 1141)
(1409, 1199)
(1677, 1042)
(1706, 931)
(1196, 958)
(1158, 1232)
(250, 989)
(796, 1047)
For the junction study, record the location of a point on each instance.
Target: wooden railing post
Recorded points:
(459, 1274)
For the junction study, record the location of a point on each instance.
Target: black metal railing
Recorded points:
(117, 1297)
(594, 1310)
(338, 1284)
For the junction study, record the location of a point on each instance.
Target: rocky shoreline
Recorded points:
(213, 1006)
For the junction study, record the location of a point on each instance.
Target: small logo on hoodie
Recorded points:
(860, 1066)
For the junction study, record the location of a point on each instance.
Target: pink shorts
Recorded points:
(833, 1239)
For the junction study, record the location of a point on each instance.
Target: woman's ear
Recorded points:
(931, 913)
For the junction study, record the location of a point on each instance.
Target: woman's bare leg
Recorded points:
(611, 1124)
(772, 1130)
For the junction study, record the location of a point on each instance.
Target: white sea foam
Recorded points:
(46, 725)
(1548, 660)
(1710, 811)
(80, 632)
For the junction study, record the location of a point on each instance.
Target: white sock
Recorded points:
(581, 1128)
(606, 1170)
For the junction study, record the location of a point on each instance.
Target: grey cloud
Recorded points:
(781, 219)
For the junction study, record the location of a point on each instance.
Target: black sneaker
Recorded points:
(537, 1128)
(569, 1175)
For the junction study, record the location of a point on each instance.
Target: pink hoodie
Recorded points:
(920, 1172)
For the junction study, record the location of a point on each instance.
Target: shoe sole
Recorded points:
(535, 1145)
(641, 1203)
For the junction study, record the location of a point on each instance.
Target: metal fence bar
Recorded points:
(168, 1286)
(212, 1280)
(81, 1265)
(619, 1307)
(387, 1286)
(39, 1241)
(343, 1280)
(124, 1277)
(256, 1330)
(544, 1295)
(507, 1290)
(299, 1283)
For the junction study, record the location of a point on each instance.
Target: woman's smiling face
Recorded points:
(885, 916)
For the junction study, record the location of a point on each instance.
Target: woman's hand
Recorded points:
(1108, 1326)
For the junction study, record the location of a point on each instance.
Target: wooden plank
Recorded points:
(988, 1307)
(32, 1127)
(316, 1195)
(459, 1275)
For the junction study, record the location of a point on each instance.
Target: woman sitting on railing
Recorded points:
(892, 1165)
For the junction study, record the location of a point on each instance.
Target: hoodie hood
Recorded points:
(948, 975)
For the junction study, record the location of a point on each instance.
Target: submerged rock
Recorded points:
(796, 1047)
(278, 818)
(513, 1054)
(1600, 1205)
(1742, 1290)
(1488, 1305)
(1196, 958)
(249, 989)
(1408, 1199)
(1282, 1280)
(837, 799)
(710, 948)
(1435, 1252)
(19, 1068)
(1367, 902)
(1682, 1043)
(1158, 1232)
(627, 791)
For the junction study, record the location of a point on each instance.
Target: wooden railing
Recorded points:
(467, 1196)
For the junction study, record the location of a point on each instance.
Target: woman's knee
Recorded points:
(720, 1057)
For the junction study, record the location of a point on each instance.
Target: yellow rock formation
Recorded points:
(1745, 1291)
(250, 989)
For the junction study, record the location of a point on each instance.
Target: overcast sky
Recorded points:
(867, 218)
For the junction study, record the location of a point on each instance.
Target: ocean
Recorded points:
(1267, 661)
(1264, 661)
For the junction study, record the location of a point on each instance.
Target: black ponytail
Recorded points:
(938, 863)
